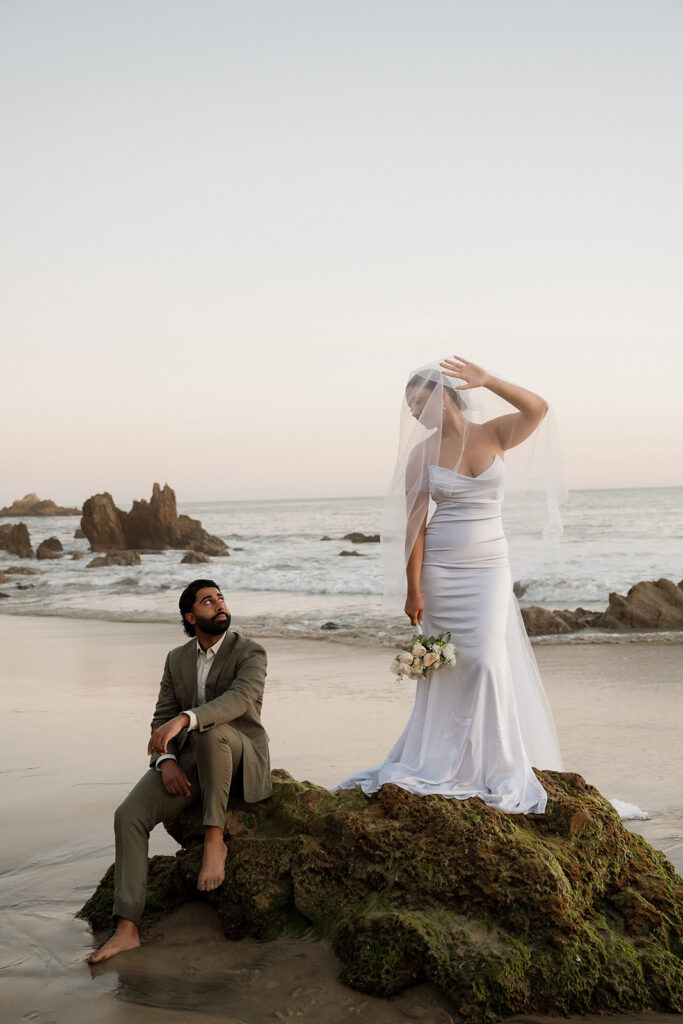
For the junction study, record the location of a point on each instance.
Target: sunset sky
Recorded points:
(230, 230)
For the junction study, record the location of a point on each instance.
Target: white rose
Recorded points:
(429, 659)
(404, 669)
(419, 650)
(449, 652)
(405, 657)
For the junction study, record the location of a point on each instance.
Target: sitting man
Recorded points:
(206, 725)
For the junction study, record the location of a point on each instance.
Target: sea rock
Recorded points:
(362, 538)
(115, 558)
(102, 523)
(351, 554)
(330, 625)
(32, 505)
(14, 537)
(153, 524)
(565, 912)
(77, 555)
(543, 622)
(51, 547)
(78, 534)
(650, 604)
(656, 604)
(194, 558)
(22, 570)
(326, 537)
(192, 535)
(3, 577)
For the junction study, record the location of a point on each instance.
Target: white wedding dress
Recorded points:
(478, 727)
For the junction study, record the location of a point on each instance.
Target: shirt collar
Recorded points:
(213, 650)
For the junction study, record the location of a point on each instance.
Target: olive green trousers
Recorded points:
(209, 761)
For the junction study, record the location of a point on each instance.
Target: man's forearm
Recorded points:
(166, 733)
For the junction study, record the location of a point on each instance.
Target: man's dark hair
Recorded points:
(187, 599)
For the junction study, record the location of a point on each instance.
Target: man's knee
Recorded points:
(123, 815)
(137, 811)
(223, 741)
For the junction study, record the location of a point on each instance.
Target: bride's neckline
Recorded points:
(466, 476)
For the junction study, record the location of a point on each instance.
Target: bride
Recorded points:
(477, 727)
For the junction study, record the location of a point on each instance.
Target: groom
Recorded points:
(206, 730)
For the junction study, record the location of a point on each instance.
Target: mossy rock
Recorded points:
(563, 912)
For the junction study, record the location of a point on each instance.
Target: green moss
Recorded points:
(166, 890)
(565, 912)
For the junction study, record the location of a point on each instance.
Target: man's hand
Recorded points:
(174, 778)
(161, 737)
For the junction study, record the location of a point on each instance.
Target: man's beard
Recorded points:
(215, 626)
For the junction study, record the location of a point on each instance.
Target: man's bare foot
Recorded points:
(212, 872)
(125, 937)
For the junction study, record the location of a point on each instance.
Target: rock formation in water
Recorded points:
(543, 622)
(655, 604)
(32, 505)
(103, 523)
(51, 547)
(564, 912)
(115, 558)
(14, 537)
(153, 524)
(647, 605)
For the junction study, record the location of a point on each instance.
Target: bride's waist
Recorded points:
(448, 511)
(453, 540)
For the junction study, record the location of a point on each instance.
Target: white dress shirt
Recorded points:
(204, 663)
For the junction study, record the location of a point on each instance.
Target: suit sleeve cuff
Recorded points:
(193, 720)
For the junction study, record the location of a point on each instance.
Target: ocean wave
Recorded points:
(609, 544)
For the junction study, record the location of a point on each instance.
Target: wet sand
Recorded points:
(77, 701)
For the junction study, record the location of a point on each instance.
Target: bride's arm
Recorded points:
(514, 428)
(414, 604)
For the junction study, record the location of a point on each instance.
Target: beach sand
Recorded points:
(77, 699)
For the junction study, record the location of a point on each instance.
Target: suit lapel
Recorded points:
(219, 663)
(188, 668)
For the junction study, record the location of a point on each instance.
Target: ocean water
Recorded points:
(283, 579)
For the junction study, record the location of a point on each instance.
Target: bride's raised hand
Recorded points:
(473, 375)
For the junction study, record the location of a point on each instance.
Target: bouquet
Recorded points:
(422, 655)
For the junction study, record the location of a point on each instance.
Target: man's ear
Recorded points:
(191, 618)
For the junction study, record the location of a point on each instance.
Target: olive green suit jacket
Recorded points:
(234, 695)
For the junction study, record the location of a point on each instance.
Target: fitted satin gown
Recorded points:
(476, 728)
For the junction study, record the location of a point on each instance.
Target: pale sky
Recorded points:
(230, 230)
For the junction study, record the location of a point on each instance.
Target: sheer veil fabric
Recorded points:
(477, 728)
(534, 468)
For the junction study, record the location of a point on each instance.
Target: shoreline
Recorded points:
(357, 637)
